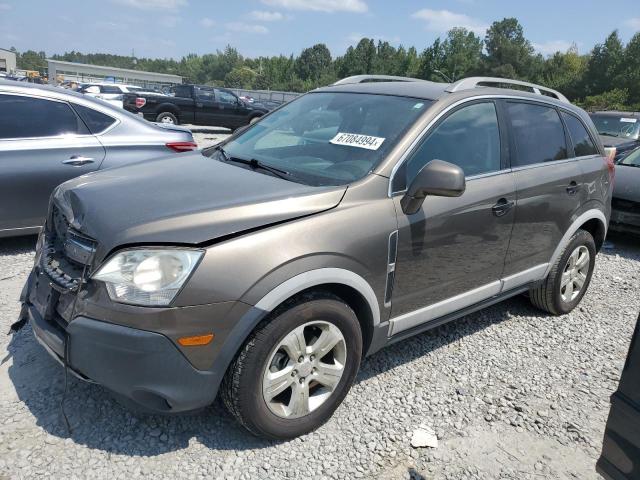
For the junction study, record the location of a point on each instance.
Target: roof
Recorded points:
(422, 89)
(131, 72)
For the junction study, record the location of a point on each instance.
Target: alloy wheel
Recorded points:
(304, 369)
(575, 274)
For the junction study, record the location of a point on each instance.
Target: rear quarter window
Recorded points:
(582, 143)
(97, 122)
(537, 132)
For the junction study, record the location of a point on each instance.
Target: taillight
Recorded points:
(182, 146)
(610, 155)
(140, 102)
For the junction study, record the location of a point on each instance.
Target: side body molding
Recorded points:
(578, 222)
(316, 277)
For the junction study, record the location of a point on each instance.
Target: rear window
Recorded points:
(537, 132)
(96, 121)
(28, 117)
(582, 143)
(110, 89)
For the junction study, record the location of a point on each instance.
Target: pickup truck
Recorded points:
(195, 104)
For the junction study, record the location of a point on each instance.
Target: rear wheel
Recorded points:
(167, 117)
(569, 277)
(295, 369)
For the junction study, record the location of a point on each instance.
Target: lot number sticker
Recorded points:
(357, 140)
(629, 120)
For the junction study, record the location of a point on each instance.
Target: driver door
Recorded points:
(451, 253)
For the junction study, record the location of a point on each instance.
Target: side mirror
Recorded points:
(439, 178)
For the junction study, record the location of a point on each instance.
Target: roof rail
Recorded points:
(374, 78)
(474, 82)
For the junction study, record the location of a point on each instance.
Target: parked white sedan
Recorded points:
(110, 92)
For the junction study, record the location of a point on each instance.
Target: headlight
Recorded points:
(147, 277)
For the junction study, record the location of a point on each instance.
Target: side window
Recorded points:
(181, 91)
(205, 94)
(226, 97)
(28, 117)
(91, 89)
(537, 132)
(469, 138)
(582, 143)
(96, 121)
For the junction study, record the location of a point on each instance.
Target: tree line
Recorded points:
(607, 77)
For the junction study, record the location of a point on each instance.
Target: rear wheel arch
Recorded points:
(594, 219)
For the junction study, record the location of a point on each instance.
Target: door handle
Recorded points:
(502, 207)
(78, 161)
(572, 189)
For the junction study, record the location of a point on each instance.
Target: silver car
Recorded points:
(49, 135)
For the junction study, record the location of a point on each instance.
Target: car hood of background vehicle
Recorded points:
(183, 199)
(609, 141)
(627, 183)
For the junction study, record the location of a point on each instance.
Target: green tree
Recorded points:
(616, 99)
(509, 53)
(462, 53)
(32, 60)
(564, 72)
(240, 77)
(630, 72)
(604, 65)
(313, 63)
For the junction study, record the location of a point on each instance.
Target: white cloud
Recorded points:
(320, 5)
(207, 22)
(633, 23)
(4, 7)
(153, 4)
(444, 20)
(552, 46)
(262, 16)
(247, 28)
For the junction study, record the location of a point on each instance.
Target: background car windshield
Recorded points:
(303, 137)
(617, 126)
(633, 159)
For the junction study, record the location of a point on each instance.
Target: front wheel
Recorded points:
(569, 276)
(295, 369)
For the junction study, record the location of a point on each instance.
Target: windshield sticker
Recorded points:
(418, 106)
(629, 120)
(357, 140)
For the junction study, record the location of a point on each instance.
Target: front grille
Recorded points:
(625, 205)
(65, 252)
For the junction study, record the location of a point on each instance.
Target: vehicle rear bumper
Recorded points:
(625, 221)
(144, 367)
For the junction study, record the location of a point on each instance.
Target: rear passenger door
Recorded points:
(549, 188)
(229, 114)
(43, 143)
(450, 254)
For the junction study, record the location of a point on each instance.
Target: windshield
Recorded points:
(617, 125)
(632, 159)
(328, 138)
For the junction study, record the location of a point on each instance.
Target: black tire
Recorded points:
(241, 389)
(254, 119)
(165, 116)
(548, 295)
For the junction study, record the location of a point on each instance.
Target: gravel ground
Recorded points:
(510, 393)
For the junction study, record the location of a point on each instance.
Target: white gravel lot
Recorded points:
(510, 392)
(208, 136)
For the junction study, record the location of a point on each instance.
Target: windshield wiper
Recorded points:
(609, 134)
(255, 164)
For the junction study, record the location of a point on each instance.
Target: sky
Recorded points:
(173, 28)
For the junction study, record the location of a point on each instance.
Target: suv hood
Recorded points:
(183, 199)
